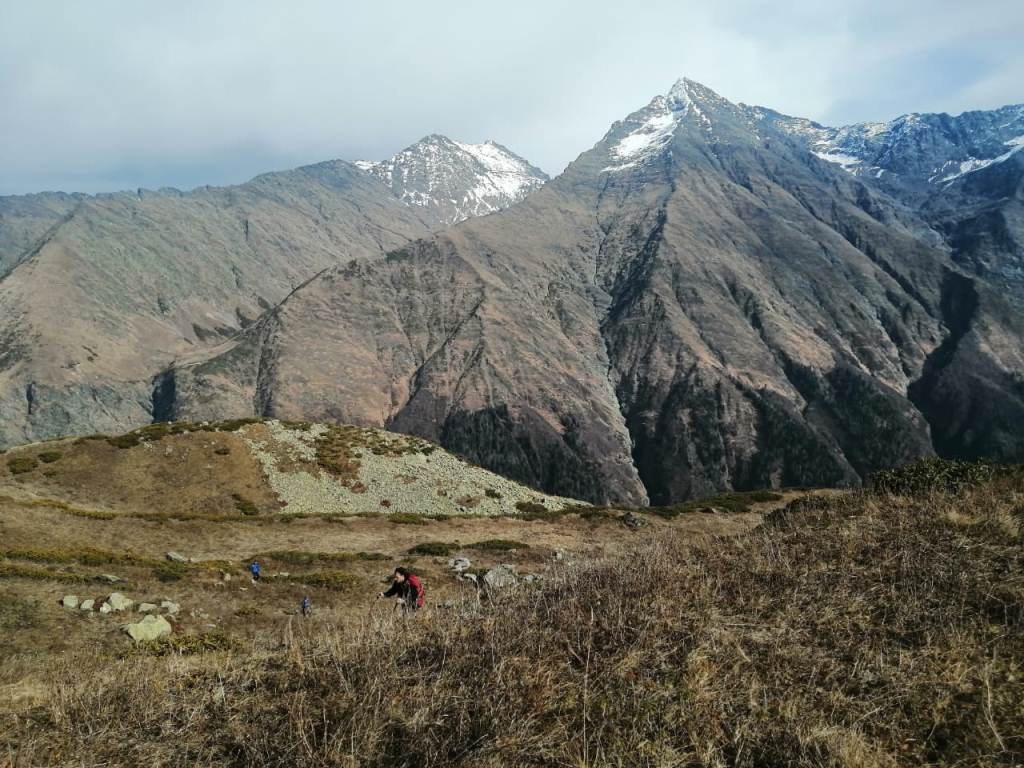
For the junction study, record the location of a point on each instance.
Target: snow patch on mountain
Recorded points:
(974, 164)
(846, 162)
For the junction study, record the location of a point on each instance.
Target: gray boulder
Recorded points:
(87, 604)
(69, 601)
(105, 608)
(147, 607)
(119, 602)
(500, 576)
(149, 628)
(459, 564)
(170, 607)
(110, 578)
(174, 557)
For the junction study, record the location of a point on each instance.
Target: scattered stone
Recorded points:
(110, 578)
(105, 608)
(69, 601)
(469, 577)
(174, 557)
(226, 576)
(171, 608)
(531, 577)
(87, 604)
(150, 628)
(119, 602)
(459, 564)
(633, 521)
(146, 607)
(500, 576)
(559, 555)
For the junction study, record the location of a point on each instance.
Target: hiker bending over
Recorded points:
(254, 569)
(306, 606)
(406, 588)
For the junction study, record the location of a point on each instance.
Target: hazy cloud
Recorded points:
(113, 94)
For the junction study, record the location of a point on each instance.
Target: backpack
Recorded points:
(417, 588)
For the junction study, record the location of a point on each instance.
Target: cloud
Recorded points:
(114, 94)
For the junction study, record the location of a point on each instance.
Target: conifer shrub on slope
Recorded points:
(857, 630)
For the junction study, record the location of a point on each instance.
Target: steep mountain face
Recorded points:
(98, 294)
(698, 303)
(453, 181)
(963, 174)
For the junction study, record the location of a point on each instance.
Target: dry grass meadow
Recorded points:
(865, 629)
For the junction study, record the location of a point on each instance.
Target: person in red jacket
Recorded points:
(407, 588)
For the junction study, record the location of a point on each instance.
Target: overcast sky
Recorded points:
(117, 94)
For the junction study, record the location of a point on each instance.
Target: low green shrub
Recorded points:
(48, 457)
(19, 465)
(498, 545)
(933, 475)
(433, 549)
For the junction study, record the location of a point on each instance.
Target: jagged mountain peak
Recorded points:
(646, 133)
(454, 180)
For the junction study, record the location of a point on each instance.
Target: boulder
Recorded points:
(171, 608)
(174, 557)
(500, 576)
(69, 601)
(147, 607)
(87, 604)
(633, 521)
(110, 578)
(150, 628)
(119, 602)
(459, 564)
(105, 608)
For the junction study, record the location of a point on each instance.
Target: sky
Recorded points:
(120, 94)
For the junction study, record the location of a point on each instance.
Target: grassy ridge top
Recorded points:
(859, 629)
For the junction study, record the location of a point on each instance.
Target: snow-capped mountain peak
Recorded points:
(454, 180)
(651, 129)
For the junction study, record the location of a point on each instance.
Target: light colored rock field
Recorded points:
(392, 474)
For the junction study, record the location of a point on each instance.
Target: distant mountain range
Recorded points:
(714, 296)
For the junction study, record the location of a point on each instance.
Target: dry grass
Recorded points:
(855, 630)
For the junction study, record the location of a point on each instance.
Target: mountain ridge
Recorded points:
(651, 325)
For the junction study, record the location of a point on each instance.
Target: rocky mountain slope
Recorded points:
(185, 470)
(100, 293)
(453, 181)
(699, 302)
(963, 174)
